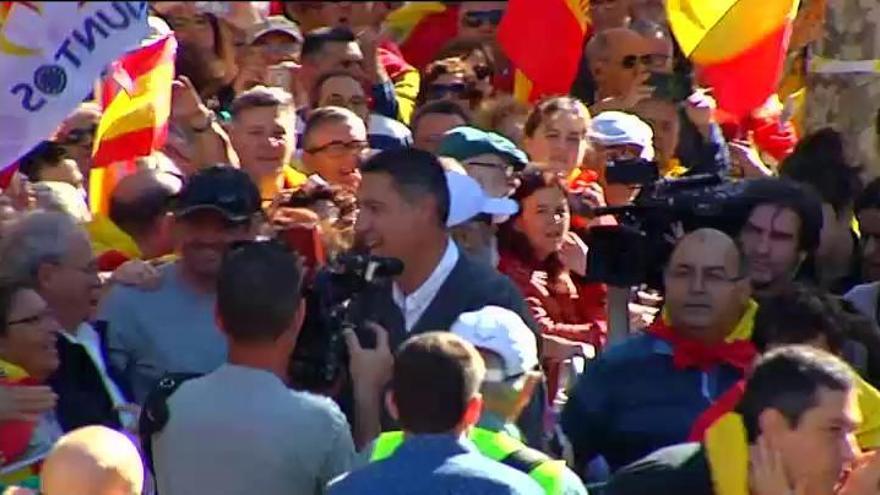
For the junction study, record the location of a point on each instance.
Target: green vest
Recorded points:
(497, 446)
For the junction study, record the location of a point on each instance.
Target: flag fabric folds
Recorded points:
(544, 41)
(727, 39)
(50, 55)
(422, 29)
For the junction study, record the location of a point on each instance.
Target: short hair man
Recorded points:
(619, 60)
(94, 460)
(334, 142)
(433, 120)
(867, 209)
(53, 254)
(172, 328)
(781, 230)
(230, 431)
(435, 395)
(664, 385)
(799, 404)
(49, 162)
(277, 40)
(327, 49)
(139, 224)
(263, 135)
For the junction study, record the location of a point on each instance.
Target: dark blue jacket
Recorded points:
(632, 401)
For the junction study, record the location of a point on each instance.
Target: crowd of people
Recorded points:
(363, 266)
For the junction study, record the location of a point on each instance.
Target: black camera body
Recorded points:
(636, 251)
(320, 356)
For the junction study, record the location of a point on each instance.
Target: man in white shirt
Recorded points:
(54, 254)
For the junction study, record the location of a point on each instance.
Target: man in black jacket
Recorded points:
(53, 253)
(798, 414)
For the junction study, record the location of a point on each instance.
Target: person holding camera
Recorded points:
(548, 264)
(646, 392)
(240, 429)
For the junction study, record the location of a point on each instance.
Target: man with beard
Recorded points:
(172, 329)
(782, 229)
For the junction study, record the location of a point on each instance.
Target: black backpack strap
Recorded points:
(525, 459)
(154, 415)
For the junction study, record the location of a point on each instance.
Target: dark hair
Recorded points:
(551, 106)
(44, 155)
(435, 375)
(869, 198)
(788, 380)
(261, 97)
(511, 240)
(316, 39)
(797, 316)
(259, 290)
(452, 65)
(443, 107)
(464, 47)
(786, 193)
(315, 91)
(324, 115)
(650, 29)
(8, 289)
(818, 161)
(414, 173)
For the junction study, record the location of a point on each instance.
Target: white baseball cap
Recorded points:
(467, 200)
(619, 128)
(503, 332)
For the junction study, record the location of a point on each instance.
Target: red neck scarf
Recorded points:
(690, 353)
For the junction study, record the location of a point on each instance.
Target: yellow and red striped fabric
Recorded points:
(135, 119)
(737, 46)
(421, 29)
(544, 41)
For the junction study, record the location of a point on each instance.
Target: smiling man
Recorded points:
(173, 329)
(645, 393)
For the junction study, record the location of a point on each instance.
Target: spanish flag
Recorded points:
(422, 29)
(544, 41)
(137, 99)
(737, 46)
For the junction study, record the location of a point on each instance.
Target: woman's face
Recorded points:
(450, 87)
(559, 142)
(30, 335)
(191, 27)
(545, 220)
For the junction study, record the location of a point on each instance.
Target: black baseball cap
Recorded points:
(224, 189)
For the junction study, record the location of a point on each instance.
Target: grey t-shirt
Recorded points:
(168, 330)
(240, 431)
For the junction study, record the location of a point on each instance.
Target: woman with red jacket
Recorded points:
(548, 262)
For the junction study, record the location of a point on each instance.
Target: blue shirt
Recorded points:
(632, 401)
(436, 465)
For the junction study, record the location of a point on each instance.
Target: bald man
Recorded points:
(618, 60)
(139, 225)
(94, 460)
(646, 392)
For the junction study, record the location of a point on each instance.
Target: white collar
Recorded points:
(415, 303)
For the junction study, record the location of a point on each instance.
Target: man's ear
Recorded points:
(46, 274)
(391, 405)
(772, 425)
(472, 411)
(219, 321)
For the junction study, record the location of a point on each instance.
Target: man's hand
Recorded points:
(767, 474)
(865, 476)
(370, 368)
(558, 349)
(638, 92)
(137, 273)
(747, 161)
(187, 107)
(25, 403)
(700, 109)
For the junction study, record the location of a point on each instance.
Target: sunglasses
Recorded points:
(437, 91)
(476, 19)
(630, 61)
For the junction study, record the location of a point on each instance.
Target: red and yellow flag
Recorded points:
(422, 29)
(544, 41)
(737, 46)
(137, 99)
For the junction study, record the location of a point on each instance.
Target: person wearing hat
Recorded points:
(618, 137)
(172, 328)
(277, 40)
(510, 352)
(490, 158)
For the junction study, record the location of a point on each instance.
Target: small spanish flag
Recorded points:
(137, 105)
(546, 63)
(422, 29)
(737, 46)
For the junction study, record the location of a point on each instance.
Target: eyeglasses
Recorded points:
(80, 136)
(339, 148)
(438, 91)
(630, 61)
(29, 320)
(507, 169)
(476, 19)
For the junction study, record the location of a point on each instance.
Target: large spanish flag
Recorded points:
(421, 29)
(137, 98)
(737, 46)
(544, 41)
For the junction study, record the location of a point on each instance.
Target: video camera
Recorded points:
(321, 356)
(635, 251)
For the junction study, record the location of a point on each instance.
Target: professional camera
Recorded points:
(321, 355)
(635, 251)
